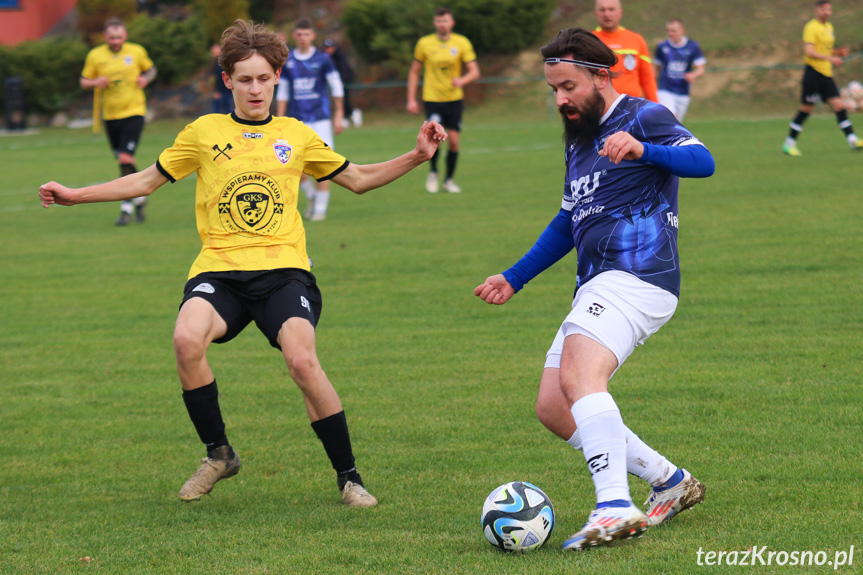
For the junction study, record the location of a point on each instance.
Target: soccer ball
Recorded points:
(517, 516)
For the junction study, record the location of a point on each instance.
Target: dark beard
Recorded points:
(583, 131)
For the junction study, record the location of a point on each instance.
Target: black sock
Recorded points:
(433, 161)
(203, 407)
(333, 433)
(451, 159)
(126, 169)
(844, 122)
(797, 124)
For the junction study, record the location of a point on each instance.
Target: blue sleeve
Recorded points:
(692, 161)
(554, 243)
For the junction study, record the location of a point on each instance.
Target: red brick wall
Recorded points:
(32, 20)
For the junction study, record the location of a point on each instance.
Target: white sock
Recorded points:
(127, 206)
(852, 139)
(575, 440)
(603, 440)
(646, 463)
(790, 142)
(309, 188)
(322, 200)
(140, 200)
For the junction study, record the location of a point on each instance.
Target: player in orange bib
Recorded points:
(633, 73)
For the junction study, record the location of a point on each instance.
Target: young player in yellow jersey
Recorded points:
(253, 264)
(120, 71)
(820, 57)
(443, 54)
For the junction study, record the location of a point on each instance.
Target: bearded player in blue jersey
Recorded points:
(624, 156)
(308, 79)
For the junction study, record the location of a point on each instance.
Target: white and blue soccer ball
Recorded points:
(517, 516)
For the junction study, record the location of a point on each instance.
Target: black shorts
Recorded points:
(123, 134)
(447, 114)
(817, 84)
(269, 297)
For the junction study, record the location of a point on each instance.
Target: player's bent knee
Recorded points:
(303, 367)
(187, 345)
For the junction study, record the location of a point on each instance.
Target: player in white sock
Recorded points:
(623, 158)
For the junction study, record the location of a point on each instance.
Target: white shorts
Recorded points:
(675, 102)
(324, 129)
(617, 310)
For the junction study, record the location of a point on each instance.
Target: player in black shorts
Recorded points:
(449, 63)
(253, 264)
(820, 57)
(119, 71)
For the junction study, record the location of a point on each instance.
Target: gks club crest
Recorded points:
(251, 204)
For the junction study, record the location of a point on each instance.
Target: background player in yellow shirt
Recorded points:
(820, 57)
(120, 71)
(253, 264)
(443, 54)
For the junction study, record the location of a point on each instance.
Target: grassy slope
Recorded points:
(736, 35)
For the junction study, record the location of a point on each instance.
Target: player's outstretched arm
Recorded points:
(360, 178)
(141, 183)
(494, 290)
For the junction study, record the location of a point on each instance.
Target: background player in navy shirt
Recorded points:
(308, 80)
(619, 211)
(223, 98)
(678, 61)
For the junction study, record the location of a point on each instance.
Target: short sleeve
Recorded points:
(810, 34)
(320, 161)
(655, 124)
(657, 54)
(144, 61)
(698, 56)
(183, 157)
(419, 53)
(469, 53)
(89, 70)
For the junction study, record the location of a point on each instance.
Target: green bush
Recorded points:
(49, 70)
(217, 15)
(386, 31)
(261, 10)
(501, 26)
(179, 49)
(92, 15)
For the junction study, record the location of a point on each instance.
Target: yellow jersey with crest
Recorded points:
(123, 97)
(246, 196)
(820, 35)
(442, 61)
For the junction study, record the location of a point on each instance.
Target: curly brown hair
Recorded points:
(244, 39)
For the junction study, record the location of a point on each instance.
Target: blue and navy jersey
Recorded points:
(307, 82)
(624, 216)
(677, 61)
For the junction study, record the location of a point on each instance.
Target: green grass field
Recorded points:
(754, 386)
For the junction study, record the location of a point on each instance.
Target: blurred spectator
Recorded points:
(223, 98)
(347, 74)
